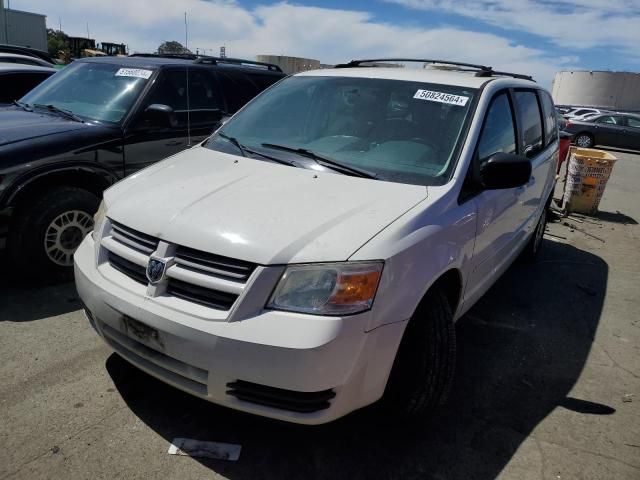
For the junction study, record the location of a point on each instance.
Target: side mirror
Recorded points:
(159, 115)
(505, 170)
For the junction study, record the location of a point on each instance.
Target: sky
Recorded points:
(535, 37)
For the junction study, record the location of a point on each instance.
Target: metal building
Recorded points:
(25, 29)
(290, 65)
(610, 90)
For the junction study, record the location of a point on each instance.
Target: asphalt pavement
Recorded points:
(547, 385)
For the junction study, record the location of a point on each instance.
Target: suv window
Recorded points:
(205, 102)
(204, 99)
(550, 119)
(498, 132)
(238, 88)
(529, 119)
(581, 112)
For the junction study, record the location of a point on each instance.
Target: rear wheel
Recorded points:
(424, 367)
(46, 233)
(584, 140)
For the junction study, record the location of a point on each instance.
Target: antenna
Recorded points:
(186, 40)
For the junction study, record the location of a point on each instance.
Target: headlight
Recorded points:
(327, 289)
(98, 219)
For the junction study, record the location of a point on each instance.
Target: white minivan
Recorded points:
(312, 256)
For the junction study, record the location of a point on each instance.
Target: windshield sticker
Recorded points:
(441, 97)
(134, 72)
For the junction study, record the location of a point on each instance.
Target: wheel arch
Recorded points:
(92, 179)
(451, 283)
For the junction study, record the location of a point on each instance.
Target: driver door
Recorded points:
(499, 211)
(196, 106)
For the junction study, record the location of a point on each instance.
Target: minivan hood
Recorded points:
(255, 210)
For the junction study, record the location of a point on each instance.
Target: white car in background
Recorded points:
(580, 112)
(312, 256)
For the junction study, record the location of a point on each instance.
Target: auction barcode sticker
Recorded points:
(134, 72)
(441, 97)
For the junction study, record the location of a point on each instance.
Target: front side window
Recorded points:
(200, 104)
(95, 91)
(402, 131)
(529, 118)
(498, 132)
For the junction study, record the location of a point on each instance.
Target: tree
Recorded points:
(57, 41)
(172, 47)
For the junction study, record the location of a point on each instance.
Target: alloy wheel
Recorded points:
(64, 234)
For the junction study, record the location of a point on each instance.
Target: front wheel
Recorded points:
(45, 235)
(424, 367)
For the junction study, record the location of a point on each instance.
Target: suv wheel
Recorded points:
(425, 363)
(584, 140)
(47, 233)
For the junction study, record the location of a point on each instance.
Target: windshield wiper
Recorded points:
(235, 142)
(325, 161)
(24, 106)
(65, 113)
(244, 150)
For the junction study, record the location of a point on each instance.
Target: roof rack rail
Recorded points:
(236, 61)
(185, 56)
(209, 59)
(483, 70)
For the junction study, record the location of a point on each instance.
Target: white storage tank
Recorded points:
(603, 89)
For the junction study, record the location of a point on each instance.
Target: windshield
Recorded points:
(96, 91)
(401, 131)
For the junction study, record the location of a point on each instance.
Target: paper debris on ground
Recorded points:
(198, 448)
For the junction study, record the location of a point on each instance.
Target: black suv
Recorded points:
(91, 124)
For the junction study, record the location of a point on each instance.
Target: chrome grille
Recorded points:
(201, 278)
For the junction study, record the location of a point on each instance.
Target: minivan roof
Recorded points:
(457, 77)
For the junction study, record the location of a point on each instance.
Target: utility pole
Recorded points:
(186, 33)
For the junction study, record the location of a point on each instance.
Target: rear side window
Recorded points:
(633, 122)
(530, 120)
(238, 89)
(498, 132)
(550, 120)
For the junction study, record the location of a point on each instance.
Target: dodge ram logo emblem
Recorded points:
(155, 269)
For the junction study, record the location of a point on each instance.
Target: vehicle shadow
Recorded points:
(23, 301)
(521, 349)
(616, 217)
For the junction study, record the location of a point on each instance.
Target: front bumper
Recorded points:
(328, 360)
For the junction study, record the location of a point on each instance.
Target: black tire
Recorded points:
(584, 140)
(534, 244)
(66, 215)
(424, 367)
